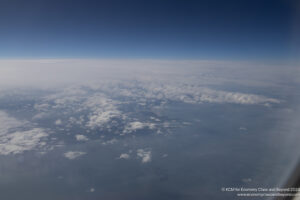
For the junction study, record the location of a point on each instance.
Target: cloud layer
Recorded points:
(95, 96)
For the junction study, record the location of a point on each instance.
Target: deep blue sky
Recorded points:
(241, 29)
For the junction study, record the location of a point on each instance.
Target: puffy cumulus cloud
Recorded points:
(133, 126)
(124, 156)
(136, 125)
(102, 109)
(99, 108)
(99, 118)
(20, 141)
(145, 155)
(81, 138)
(78, 121)
(14, 139)
(73, 154)
(95, 108)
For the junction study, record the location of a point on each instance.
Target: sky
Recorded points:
(164, 29)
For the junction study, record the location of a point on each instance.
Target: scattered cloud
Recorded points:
(98, 118)
(81, 138)
(20, 141)
(134, 126)
(99, 101)
(124, 156)
(145, 155)
(103, 110)
(73, 154)
(14, 139)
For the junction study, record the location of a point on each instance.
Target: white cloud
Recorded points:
(58, 122)
(103, 110)
(93, 95)
(155, 119)
(73, 154)
(20, 141)
(16, 73)
(99, 118)
(124, 156)
(183, 80)
(79, 121)
(133, 126)
(14, 139)
(195, 93)
(81, 138)
(144, 155)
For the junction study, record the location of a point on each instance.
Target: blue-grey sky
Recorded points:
(164, 29)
